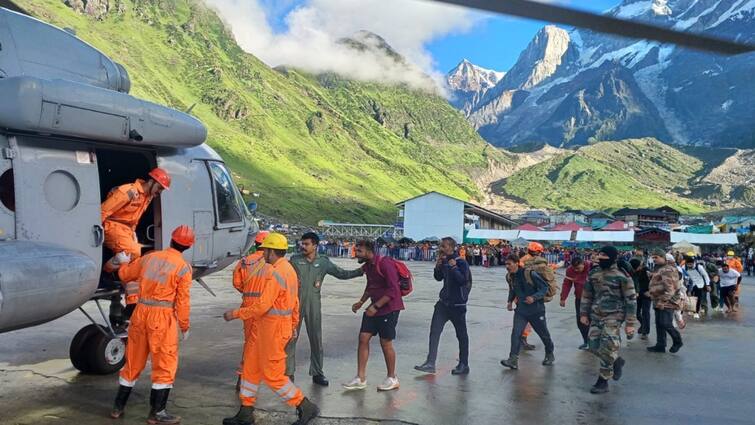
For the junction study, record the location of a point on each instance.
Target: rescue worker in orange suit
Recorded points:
(164, 304)
(273, 314)
(735, 264)
(246, 267)
(121, 212)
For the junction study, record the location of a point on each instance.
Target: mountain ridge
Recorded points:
(697, 98)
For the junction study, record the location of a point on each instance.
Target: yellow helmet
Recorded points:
(691, 254)
(275, 241)
(730, 253)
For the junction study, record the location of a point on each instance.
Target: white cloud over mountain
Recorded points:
(315, 26)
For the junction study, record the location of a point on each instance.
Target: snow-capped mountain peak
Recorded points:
(470, 77)
(568, 88)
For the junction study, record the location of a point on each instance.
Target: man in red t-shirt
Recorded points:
(576, 275)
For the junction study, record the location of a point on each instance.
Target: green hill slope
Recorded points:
(609, 175)
(313, 147)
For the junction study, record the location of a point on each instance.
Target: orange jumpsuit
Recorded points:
(245, 276)
(735, 264)
(163, 303)
(275, 315)
(120, 215)
(243, 268)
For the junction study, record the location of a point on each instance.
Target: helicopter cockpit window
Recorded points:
(7, 192)
(226, 195)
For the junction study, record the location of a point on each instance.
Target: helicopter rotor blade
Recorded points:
(606, 24)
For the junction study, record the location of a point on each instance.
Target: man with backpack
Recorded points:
(529, 290)
(454, 272)
(699, 283)
(534, 260)
(381, 317)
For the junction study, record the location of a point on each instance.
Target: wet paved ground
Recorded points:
(709, 381)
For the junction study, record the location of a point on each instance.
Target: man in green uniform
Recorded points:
(608, 300)
(311, 269)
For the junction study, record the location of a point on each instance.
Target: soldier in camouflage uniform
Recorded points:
(608, 300)
(665, 290)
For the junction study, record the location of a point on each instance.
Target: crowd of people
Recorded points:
(611, 291)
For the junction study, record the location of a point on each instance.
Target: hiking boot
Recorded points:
(512, 362)
(600, 387)
(657, 349)
(306, 410)
(460, 369)
(427, 367)
(584, 346)
(644, 337)
(527, 346)
(320, 380)
(675, 347)
(245, 416)
(549, 359)
(120, 401)
(157, 413)
(618, 366)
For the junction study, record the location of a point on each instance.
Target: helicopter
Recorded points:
(69, 133)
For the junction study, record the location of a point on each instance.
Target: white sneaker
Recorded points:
(696, 316)
(355, 384)
(389, 384)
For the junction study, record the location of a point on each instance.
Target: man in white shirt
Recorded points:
(699, 283)
(729, 278)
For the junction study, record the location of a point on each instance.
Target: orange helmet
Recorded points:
(535, 247)
(261, 235)
(161, 176)
(183, 235)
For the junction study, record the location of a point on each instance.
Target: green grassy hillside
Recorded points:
(609, 175)
(314, 147)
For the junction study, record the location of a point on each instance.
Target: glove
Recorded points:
(185, 335)
(122, 258)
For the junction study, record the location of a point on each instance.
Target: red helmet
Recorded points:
(535, 247)
(161, 176)
(183, 235)
(261, 235)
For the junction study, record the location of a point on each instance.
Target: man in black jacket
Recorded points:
(454, 272)
(529, 292)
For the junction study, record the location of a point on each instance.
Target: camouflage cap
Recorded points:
(659, 252)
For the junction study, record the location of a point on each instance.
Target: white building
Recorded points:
(435, 215)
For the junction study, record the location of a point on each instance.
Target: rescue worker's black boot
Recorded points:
(120, 401)
(306, 411)
(600, 387)
(245, 416)
(157, 413)
(526, 345)
(549, 359)
(618, 366)
(512, 362)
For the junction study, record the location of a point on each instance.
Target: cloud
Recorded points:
(314, 28)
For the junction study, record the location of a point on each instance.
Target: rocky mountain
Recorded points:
(313, 146)
(572, 88)
(468, 83)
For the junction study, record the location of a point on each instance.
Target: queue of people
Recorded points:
(277, 294)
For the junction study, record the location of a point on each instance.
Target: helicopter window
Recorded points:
(7, 191)
(226, 197)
